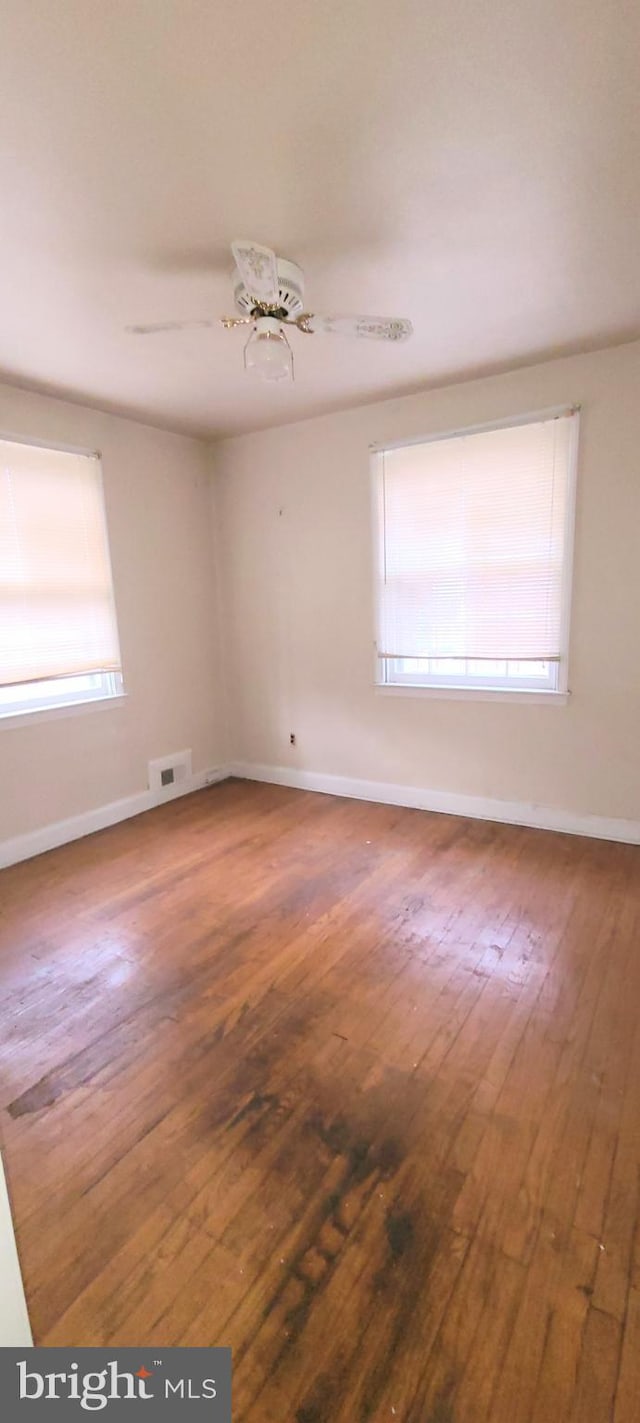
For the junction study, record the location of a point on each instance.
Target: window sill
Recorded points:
(38, 714)
(474, 694)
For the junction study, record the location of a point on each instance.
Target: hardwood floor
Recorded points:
(352, 1088)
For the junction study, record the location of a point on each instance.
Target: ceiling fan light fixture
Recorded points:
(267, 354)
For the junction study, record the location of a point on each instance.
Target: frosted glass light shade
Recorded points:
(267, 354)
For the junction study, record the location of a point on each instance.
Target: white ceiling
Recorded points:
(473, 166)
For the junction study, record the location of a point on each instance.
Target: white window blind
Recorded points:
(57, 614)
(473, 536)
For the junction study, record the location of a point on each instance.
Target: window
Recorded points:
(474, 553)
(58, 633)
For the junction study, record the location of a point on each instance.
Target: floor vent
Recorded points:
(167, 774)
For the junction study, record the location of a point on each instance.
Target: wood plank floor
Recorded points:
(352, 1088)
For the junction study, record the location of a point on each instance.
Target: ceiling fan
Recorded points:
(269, 294)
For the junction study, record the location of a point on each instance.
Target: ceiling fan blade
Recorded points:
(258, 268)
(166, 326)
(374, 328)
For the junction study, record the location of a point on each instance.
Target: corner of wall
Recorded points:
(222, 623)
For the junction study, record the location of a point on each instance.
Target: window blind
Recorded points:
(57, 615)
(472, 543)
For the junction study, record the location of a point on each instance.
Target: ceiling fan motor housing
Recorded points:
(290, 291)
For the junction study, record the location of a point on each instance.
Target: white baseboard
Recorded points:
(35, 842)
(541, 817)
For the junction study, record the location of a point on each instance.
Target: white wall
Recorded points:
(162, 551)
(294, 505)
(15, 1331)
(294, 533)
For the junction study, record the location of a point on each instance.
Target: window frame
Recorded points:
(107, 688)
(455, 687)
(500, 682)
(110, 690)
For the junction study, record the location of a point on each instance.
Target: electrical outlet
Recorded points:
(292, 738)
